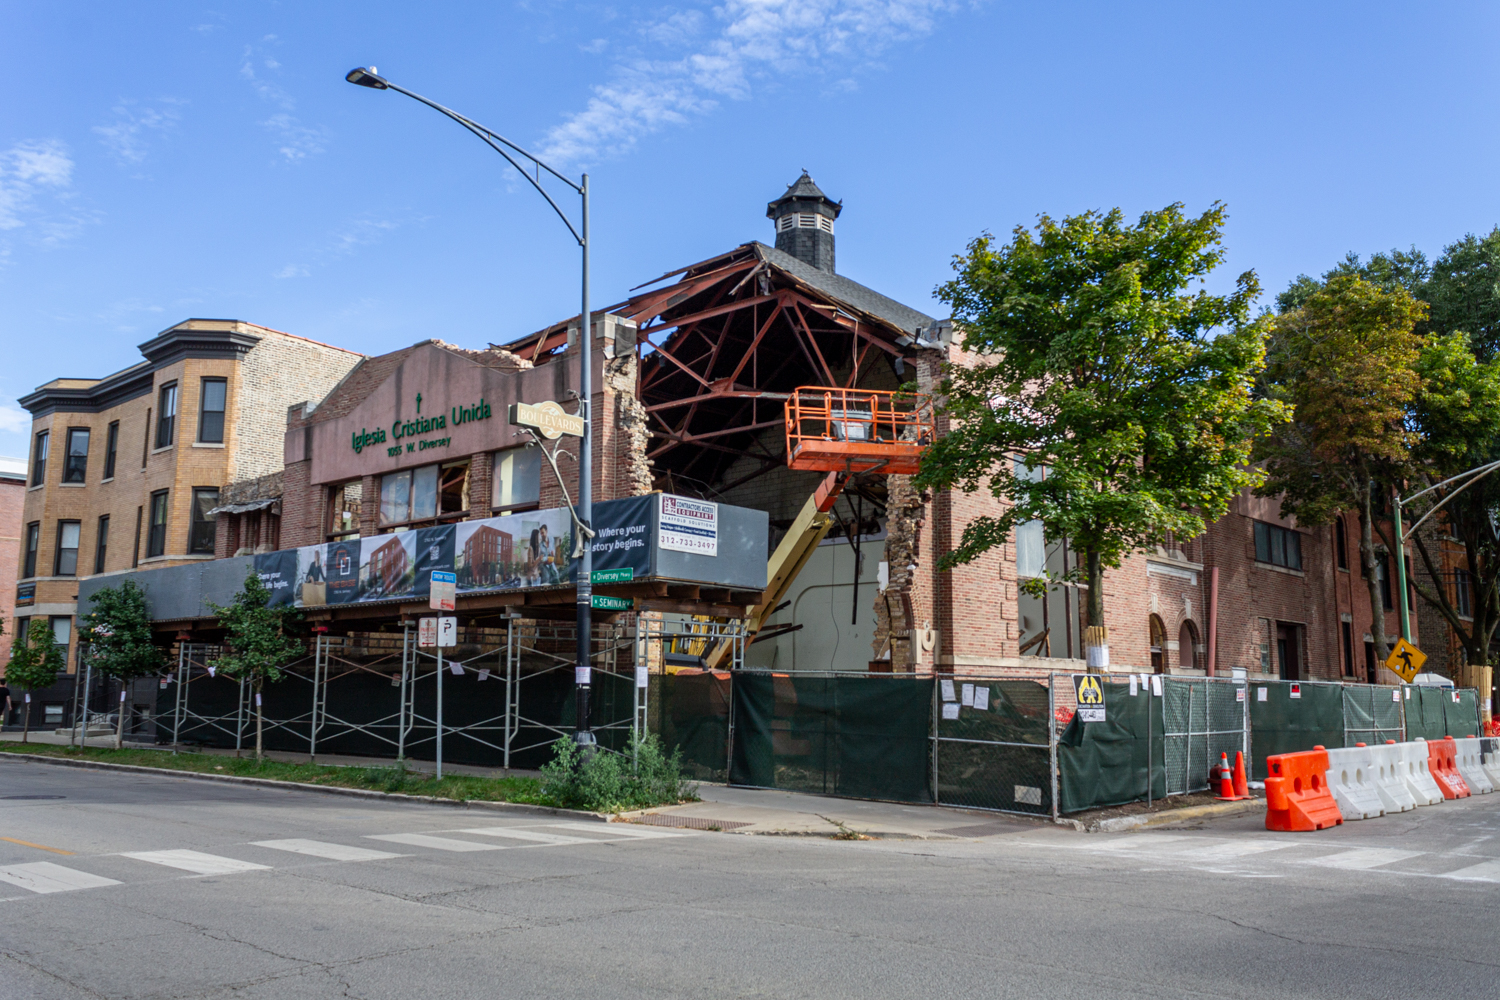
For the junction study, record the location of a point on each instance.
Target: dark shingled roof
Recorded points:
(852, 293)
(802, 187)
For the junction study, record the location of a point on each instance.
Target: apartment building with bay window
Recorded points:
(127, 472)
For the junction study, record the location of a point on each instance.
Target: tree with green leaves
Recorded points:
(1457, 414)
(1093, 359)
(261, 640)
(120, 639)
(34, 664)
(1344, 363)
(1464, 292)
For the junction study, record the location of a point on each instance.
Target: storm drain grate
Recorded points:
(688, 822)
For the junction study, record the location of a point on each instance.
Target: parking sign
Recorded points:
(427, 632)
(447, 631)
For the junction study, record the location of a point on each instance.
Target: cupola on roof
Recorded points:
(804, 222)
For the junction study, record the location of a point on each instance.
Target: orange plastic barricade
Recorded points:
(1297, 795)
(1442, 764)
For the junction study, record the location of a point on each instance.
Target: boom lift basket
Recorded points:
(857, 430)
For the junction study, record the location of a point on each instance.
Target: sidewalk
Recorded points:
(736, 810)
(770, 812)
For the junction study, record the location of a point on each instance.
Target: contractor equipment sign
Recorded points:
(689, 525)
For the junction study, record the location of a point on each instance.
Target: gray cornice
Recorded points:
(176, 344)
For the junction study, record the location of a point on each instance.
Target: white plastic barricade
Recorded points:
(1385, 773)
(1415, 774)
(1489, 758)
(1469, 766)
(1349, 781)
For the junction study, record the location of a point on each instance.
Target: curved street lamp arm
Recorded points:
(495, 142)
(1482, 471)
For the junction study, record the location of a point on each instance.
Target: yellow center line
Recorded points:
(40, 847)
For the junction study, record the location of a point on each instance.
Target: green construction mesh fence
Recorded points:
(1425, 718)
(690, 712)
(1372, 714)
(1461, 713)
(1106, 763)
(996, 756)
(1289, 717)
(862, 737)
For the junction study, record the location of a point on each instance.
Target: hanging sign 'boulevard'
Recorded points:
(548, 418)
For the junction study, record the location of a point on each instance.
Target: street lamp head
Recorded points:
(366, 78)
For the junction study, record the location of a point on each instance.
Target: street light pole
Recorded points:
(1478, 473)
(582, 674)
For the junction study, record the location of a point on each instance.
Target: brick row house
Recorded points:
(126, 471)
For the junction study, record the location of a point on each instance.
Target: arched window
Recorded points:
(1158, 645)
(1187, 646)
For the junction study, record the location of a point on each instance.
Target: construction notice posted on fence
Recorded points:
(1090, 694)
(689, 525)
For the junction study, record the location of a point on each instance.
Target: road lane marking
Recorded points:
(531, 835)
(436, 843)
(1364, 857)
(196, 862)
(1485, 871)
(322, 849)
(40, 847)
(44, 876)
(619, 830)
(1231, 849)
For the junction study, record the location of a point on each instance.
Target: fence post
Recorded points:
(182, 661)
(1052, 738)
(401, 705)
(312, 726)
(933, 708)
(239, 718)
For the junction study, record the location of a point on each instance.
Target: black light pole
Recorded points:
(582, 674)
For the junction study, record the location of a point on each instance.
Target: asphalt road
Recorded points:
(177, 888)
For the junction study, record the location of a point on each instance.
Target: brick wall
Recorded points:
(12, 501)
(280, 371)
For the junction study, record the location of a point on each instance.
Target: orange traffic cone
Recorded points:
(1241, 783)
(1226, 781)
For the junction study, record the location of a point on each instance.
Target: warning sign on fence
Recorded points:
(1090, 695)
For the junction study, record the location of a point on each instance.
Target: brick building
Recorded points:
(126, 471)
(12, 500)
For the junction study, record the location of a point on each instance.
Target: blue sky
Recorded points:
(166, 160)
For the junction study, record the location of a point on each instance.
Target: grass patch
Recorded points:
(463, 788)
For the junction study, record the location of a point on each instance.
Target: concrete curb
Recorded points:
(1122, 823)
(508, 807)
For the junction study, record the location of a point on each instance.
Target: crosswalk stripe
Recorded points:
(196, 862)
(531, 835)
(322, 849)
(1364, 857)
(1230, 849)
(1148, 841)
(1486, 871)
(620, 830)
(44, 876)
(436, 843)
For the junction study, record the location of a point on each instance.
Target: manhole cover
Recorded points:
(33, 796)
(688, 822)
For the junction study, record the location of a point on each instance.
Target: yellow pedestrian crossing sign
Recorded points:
(1090, 695)
(1405, 660)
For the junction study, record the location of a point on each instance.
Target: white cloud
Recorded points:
(28, 169)
(14, 419)
(127, 137)
(298, 141)
(755, 40)
(343, 241)
(291, 271)
(596, 46)
(295, 141)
